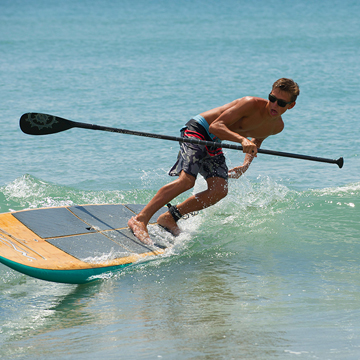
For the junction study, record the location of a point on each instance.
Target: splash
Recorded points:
(29, 192)
(113, 254)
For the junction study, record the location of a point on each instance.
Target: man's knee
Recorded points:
(187, 181)
(221, 191)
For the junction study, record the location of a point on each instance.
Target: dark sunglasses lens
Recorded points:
(272, 98)
(282, 103)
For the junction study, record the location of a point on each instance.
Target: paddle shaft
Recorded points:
(49, 124)
(203, 142)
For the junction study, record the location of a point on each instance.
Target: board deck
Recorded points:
(73, 244)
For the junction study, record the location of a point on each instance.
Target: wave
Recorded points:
(262, 196)
(262, 208)
(28, 192)
(271, 215)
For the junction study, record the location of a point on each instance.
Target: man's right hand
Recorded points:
(249, 147)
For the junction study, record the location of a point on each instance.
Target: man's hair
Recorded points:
(288, 85)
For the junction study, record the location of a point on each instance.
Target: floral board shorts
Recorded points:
(199, 159)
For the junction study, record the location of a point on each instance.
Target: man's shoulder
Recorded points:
(279, 126)
(253, 99)
(250, 102)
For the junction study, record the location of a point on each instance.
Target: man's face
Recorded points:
(282, 97)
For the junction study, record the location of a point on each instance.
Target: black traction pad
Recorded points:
(103, 246)
(103, 217)
(52, 222)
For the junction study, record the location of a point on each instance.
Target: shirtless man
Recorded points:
(248, 117)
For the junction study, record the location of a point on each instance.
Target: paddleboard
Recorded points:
(73, 244)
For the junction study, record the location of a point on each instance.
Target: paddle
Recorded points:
(43, 124)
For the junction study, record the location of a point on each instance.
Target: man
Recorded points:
(248, 117)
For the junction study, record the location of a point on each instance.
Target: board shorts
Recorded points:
(197, 159)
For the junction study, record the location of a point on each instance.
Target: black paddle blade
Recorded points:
(43, 124)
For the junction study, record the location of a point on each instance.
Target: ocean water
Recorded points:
(270, 272)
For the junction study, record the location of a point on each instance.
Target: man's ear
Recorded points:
(292, 105)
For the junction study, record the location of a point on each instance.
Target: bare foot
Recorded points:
(140, 231)
(167, 221)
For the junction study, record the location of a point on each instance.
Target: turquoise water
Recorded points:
(270, 272)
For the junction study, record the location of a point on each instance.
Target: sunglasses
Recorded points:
(280, 102)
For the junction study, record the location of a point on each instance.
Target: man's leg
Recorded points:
(217, 190)
(138, 223)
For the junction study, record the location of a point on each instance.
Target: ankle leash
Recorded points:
(175, 213)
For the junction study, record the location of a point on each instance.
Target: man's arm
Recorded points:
(237, 171)
(220, 126)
